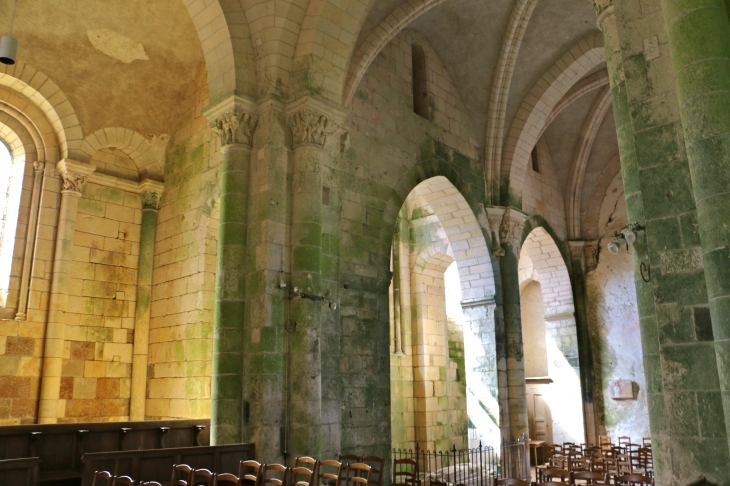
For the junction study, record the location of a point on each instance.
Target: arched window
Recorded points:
(11, 186)
(420, 87)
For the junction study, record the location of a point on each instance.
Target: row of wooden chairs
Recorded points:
(581, 478)
(614, 460)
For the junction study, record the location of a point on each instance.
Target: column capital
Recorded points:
(39, 165)
(604, 8)
(494, 217)
(313, 121)
(585, 253)
(74, 175)
(234, 120)
(513, 222)
(150, 191)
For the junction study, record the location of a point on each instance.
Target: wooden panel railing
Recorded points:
(19, 472)
(60, 446)
(156, 465)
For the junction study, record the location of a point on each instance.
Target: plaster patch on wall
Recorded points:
(116, 45)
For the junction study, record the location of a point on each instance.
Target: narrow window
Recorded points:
(420, 89)
(535, 161)
(11, 185)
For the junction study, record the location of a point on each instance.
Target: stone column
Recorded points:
(682, 383)
(579, 268)
(235, 124)
(699, 41)
(510, 237)
(74, 175)
(150, 192)
(311, 123)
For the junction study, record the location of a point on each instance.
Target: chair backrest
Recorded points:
(249, 472)
(633, 479)
(579, 464)
(181, 474)
(149, 483)
(646, 441)
(554, 473)
(226, 478)
(306, 461)
(436, 482)
(549, 483)
(405, 471)
(624, 440)
(122, 480)
(588, 477)
(297, 472)
(377, 465)
(348, 458)
(277, 470)
(100, 476)
(511, 482)
(358, 474)
(201, 477)
(329, 470)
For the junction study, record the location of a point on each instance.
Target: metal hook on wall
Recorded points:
(645, 268)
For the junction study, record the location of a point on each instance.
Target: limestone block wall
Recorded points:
(613, 318)
(97, 365)
(183, 292)
(21, 342)
(541, 192)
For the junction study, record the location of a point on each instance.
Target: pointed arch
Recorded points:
(532, 115)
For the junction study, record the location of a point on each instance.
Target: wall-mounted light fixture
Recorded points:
(626, 237)
(324, 299)
(8, 43)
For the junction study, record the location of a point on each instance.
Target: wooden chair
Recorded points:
(249, 472)
(150, 483)
(227, 478)
(201, 477)
(646, 442)
(549, 483)
(580, 464)
(296, 472)
(436, 482)
(332, 473)
(282, 470)
(587, 477)
(547, 475)
(358, 474)
(308, 462)
(405, 472)
(377, 465)
(511, 482)
(105, 476)
(122, 480)
(630, 479)
(180, 471)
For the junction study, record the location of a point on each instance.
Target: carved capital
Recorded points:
(494, 219)
(309, 127)
(235, 127)
(150, 192)
(74, 175)
(604, 8)
(39, 165)
(591, 255)
(513, 222)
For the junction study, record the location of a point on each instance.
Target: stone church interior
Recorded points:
(364, 242)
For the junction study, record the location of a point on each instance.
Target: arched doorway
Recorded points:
(444, 390)
(552, 369)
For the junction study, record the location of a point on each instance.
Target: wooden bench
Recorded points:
(60, 446)
(19, 472)
(156, 465)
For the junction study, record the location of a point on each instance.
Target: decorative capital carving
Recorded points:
(150, 200)
(604, 8)
(74, 175)
(235, 127)
(39, 165)
(309, 127)
(150, 192)
(494, 219)
(591, 255)
(513, 222)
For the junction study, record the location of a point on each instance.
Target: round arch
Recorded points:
(148, 155)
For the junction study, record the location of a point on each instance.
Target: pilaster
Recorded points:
(74, 175)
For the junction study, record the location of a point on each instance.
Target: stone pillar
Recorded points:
(682, 383)
(311, 123)
(509, 234)
(234, 123)
(699, 41)
(74, 175)
(578, 250)
(150, 192)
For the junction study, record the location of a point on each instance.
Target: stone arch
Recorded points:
(396, 21)
(227, 47)
(148, 155)
(500, 89)
(325, 45)
(590, 213)
(535, 109)
(588, 135)
(41, 91)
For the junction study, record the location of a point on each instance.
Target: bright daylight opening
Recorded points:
(11, 185)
